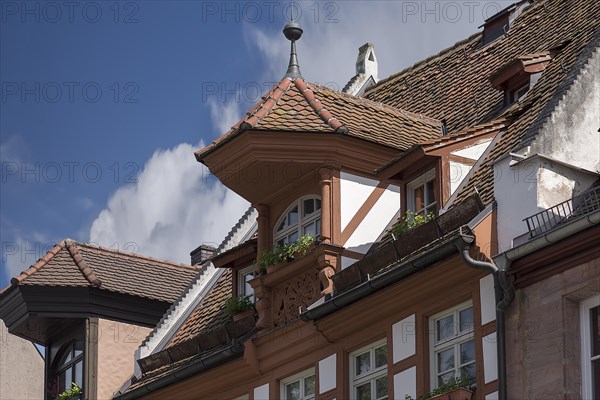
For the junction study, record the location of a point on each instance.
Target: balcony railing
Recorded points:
(564, 212)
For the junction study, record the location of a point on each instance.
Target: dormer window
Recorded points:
(496, 26)
(421, 194)
(518, 76)
(303, 217)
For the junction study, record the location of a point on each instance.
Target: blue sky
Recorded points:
(103, 102)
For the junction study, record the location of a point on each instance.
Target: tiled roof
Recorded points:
(210, 313)
(299, 106)
(73, 264)
(454, 85)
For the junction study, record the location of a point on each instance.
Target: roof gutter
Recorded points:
(201, 365)
(401, 271)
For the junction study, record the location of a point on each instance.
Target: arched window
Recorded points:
(303, 217)
(68, 367)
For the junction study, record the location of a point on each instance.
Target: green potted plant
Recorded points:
(455, 389)
(410, 221)
(302, 246)
(239, 307)
(72, 393)
(281, 255)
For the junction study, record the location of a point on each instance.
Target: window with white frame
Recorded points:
(303, 217)
(300, 386)
(590, 348)
(421, 194)
(244, 276)
(452, 345)
(368, 372)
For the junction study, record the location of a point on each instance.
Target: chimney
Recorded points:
(366, 71)
(202, 253)
(366, 63)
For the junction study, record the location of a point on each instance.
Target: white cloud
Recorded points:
(403, 32)
(172, 209)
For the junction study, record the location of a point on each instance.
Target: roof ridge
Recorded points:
(166, 263)
(263, 110)
(37, 265)
(323, 113)
(86, 270)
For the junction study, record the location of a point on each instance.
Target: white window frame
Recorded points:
(587, 388)
(300, 376)
(416, 183)
(300, 223)
(454, 342)
(371, 376)
(241, 282)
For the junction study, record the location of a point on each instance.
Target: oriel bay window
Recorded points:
(303, 217)
(452, 345)
(67, 367)
(368, 369)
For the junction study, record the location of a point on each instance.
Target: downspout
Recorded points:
(504, 294)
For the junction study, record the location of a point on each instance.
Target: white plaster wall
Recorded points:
(262, 392)
(492, 396)
(403, 336)
(487, 298)
(473, 152)
(458, 172)
(327, 377)
(515, 191)
(354, 190)
(571, 133)
(375, 221)
(405, 383)
(21, 368)
(490, 358)
(558, 183)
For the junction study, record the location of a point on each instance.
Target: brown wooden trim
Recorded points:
(557, 257)
(445, 180)
(362, 212)
(90, 356)
(403, 364)
(477, 333)
(462, 144)
(336, 212)
(488, 328)
(352, 254)
(462, 160)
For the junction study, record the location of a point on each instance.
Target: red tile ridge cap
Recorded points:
(87, 272)
(37, 266)
(269, 100)
(319, 108)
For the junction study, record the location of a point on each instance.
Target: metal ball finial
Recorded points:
(292, 31)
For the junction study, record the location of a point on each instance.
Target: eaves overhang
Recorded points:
(29, 310)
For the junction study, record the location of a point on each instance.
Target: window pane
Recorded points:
(318, 232)
(466, 320)
(419, 198)
(445, 328)
(67, 357)
(281, 225)
(79, 373)
(445, 360)
(468, 372)
(248, 291)
(310, 229)
(293, 237)
(363, 363)
(467, 352)
(318, 202)
(595, 326)
(309, 207)
(381, 387)
(292, 391)
(363, 392)
(293, 216)
(309, 386)
(430, 194)
(380, 356)
(445, 378)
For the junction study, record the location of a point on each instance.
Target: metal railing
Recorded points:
(550, 218)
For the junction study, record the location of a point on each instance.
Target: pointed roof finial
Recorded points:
(293, 32)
